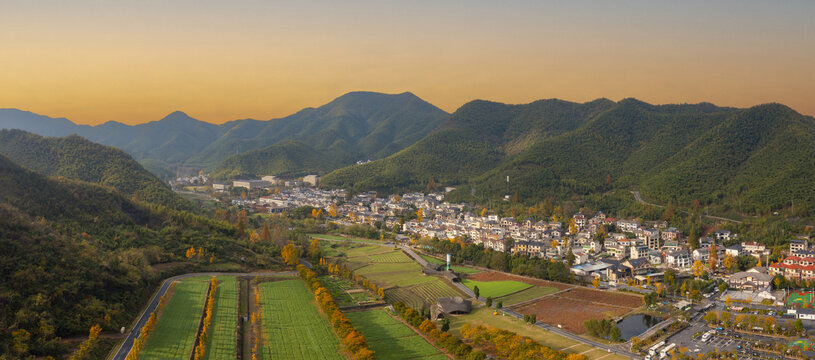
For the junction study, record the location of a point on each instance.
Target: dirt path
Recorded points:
(639, 199)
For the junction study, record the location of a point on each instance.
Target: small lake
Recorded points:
(635, 325)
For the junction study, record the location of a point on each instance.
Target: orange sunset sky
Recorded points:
(136, 61)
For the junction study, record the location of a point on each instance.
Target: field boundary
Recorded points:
(429, 341)
(531, 301)
(200, 323)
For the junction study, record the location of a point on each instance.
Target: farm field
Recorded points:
(293, 328)
(339, 290)
(391, 339)
(533, 292)
(222, 335)
(174, 335)
(401, 277)
(457, 268)
(603, 297)
(483, 316)
(570, 313)
(496, 289)
(497, 276)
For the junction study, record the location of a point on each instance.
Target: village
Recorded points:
(608, 253)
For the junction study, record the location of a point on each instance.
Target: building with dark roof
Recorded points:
(450, 305)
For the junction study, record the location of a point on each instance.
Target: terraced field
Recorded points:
(496, 289)
(391, 339)
(174, 335)
(222, 335)
(421, 295)
(293, 328)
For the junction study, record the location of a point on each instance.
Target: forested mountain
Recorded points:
(475, 139)
(77, 254)
(76, 158)
(355, 126)
(754, 159)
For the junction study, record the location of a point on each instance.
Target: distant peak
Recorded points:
(176, 115)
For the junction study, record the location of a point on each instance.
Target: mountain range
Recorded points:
(355, 126)
(755, 159)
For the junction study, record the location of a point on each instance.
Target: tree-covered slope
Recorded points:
(355, 126)
(77, 254)
(475, 138)
(287, 158)
(76, 158)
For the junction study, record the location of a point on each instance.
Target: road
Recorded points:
(127, 344)
(639, 199)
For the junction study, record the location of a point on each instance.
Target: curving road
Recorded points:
(127, 344)
(639, 199)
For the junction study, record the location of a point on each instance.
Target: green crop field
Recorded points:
(222, 335)
(174, 335)
(457, 268)
(390, 339)
(528, 294)
(293, 328)
(397, 273)
(495, 288)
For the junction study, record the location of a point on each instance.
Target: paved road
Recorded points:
(640, 200)
(124, 348)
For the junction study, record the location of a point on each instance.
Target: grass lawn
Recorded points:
(222, 335)
(293, 328)
(483, 316)
(174, 335)
(528, 294)
(391, 339)
(495, 288)
(461, 269)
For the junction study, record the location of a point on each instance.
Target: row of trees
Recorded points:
(148, 327)
(87, 345)
(344, 272)
(452, 344)
(603, 328)
(256, 320)
(768, 324)
(353, 340)
(508, 345)
(201, 348)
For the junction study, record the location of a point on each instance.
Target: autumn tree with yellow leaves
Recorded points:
(290, 254)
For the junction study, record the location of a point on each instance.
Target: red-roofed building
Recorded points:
(795, 267)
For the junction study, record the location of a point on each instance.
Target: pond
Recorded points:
(635, 325)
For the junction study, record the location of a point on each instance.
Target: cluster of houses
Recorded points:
(633, 250)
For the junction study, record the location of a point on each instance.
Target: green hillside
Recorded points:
(475, 139)
(288, 158)
(76, 158)
(77, 254)
(754, 159)
(355, 126)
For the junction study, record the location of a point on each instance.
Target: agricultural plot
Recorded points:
(222, 335)
(456, 268)
(496, 289)
(174, 335)
(420, 295)
(390, 339)
(347, 293)
(293, 328)
(533, 292)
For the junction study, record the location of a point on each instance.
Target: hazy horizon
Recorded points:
(135, 62)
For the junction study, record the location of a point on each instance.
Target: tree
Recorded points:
(595, 282)
(499, 305)
(614, 334)
(431, 185)
(798, 325)
(265, 236)
(711, 317)
(290, 254)
(515, 197)
(489, 301)
(253, 236)
(476, 291)
(419, 215)
(713, 260)
(669, 212)
(572, 226)
(190, 253)
(570, 257)
(483, 212)
(698, 269)
(777, 282)
(315, 250)
(332, 210)
(729, 262)
(693, 238)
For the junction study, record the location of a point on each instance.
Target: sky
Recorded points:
(137, 61)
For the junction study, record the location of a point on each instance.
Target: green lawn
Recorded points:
(222, 331)
(496, 288)
(528, 294)
(174, 335)
(293, 328)
(483, 316)
(457, 268)
(391, 339)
